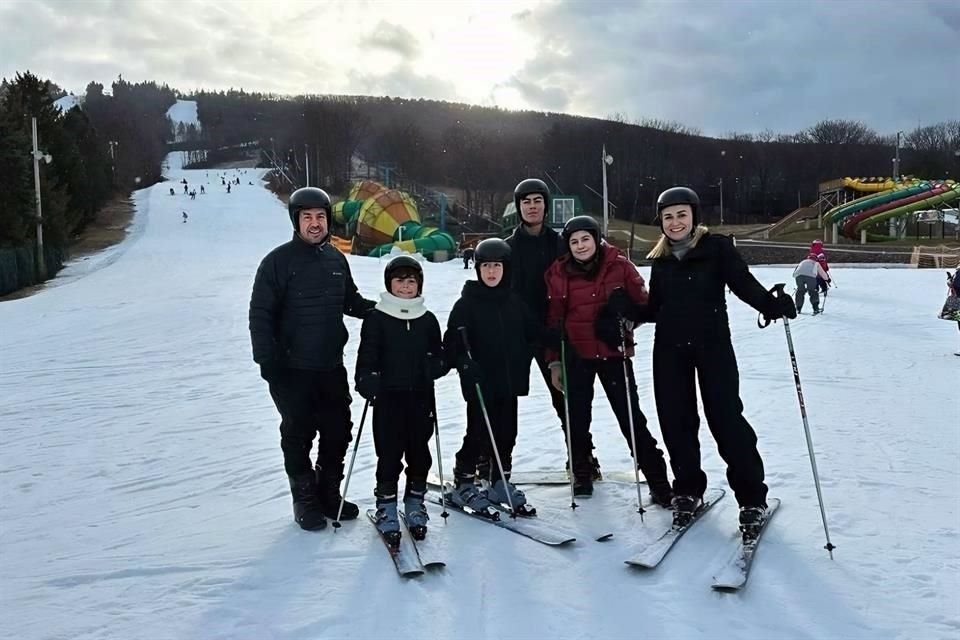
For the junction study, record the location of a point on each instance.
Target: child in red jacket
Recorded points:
(588, 291)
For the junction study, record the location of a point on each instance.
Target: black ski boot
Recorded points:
(684, 508)
(483, 469)
(328, 490)
(307, 510)
(596, 475)
(661, 492)
(751, 521)
(415, 510)
(388, 520)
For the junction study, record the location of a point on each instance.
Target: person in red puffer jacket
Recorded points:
(588, 290)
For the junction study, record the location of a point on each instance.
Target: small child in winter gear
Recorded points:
(400, 356)
(501, 333)
(807, 274)
(816, 248)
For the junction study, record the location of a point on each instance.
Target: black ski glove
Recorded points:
(369, 386)
(619, 303)
(437, 367)
(606, 326)
(272, 371)
(470, 371)
(781, 305)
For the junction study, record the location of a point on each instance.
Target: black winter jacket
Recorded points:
(407, 353)
(687, 297)
(300, 295)
(530, 258)
(503, 335)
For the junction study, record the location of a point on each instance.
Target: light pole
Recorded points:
(896, 160)
(46, 157)
(723, 153)
(605, 160)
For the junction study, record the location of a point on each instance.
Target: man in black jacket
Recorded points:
(534, 246)
(301, 292)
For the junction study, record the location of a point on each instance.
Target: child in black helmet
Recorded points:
(400, 356)
(691, 271)
(500, 332)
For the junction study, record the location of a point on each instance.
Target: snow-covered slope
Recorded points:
(143, 492)
(183, 111)
(67, 102)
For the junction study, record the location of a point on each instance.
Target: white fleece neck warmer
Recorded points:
(402, 308)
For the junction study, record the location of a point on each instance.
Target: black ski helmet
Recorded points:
(679, 195)
(527, 187)
(580, 223)
(308, 198)
(493, 250)
(401, 266)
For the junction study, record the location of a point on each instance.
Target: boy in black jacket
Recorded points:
(501, 333)
(400, 355)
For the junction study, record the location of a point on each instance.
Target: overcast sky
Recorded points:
(721, 66)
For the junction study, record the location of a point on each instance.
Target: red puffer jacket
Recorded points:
(575, 298)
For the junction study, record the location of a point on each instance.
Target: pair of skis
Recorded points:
(732, 574)
(411, 557)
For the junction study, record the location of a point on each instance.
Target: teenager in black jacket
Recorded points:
(302, 290)
(533, 248)
(691, 270)
(502, 334)
(400, 355)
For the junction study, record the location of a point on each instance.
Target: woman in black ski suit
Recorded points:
(691, 270)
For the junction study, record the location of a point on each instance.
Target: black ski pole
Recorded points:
(806, 427)
(353, 458)
(566, 411)
(633, 435)
(436, 435)
(486, 419)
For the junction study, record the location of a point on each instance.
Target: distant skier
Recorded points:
(588, 287)
(228, 187)
(193, 194)
(202, 190)
(806, 275)
(185, 216)
(467, 257)
(301, 292)
(223, 180)
(690, 271)
(951, 308)
(172, 192)
(501, 334)
(186, 189)
(399, 357)
(816, 248)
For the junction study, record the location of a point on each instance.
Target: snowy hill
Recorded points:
(67, 102)
(143, 493)
(183, 112)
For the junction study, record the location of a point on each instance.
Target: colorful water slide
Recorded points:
(384, 218)
(869, 185)
(904, 199)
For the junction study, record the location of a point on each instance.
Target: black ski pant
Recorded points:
(476, 441)
(313, 404)
(402, 428)
(676, 370)
(580, 381)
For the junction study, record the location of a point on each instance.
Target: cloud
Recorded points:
(395, 39)
(721, 67)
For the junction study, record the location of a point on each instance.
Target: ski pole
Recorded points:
(633, 435)
(823, 305)
(436, 435)
(806, 428)
(486, 419)
(353, 458)
(566, 411)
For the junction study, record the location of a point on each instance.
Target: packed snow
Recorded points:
(143, 492)
(67, 102)
(184, 111)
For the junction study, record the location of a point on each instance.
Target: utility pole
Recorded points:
(896, 160)
(306, 157)
(721, 202)
(41, 263)
(606, 203)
